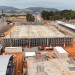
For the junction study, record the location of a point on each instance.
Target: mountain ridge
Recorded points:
(33, 9)
(40, 9)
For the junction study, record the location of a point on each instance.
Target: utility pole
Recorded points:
(10, 40)
(29, 34)
(2, 12)
(2, 15)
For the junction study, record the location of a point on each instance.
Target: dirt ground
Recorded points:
(71, 50)
(9, 30)
(18, 59)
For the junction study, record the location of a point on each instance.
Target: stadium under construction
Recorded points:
(36, 35)
(21, 43)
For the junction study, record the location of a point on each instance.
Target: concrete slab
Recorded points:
(51, 67)
(35, 31)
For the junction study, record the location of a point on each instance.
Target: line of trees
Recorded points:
(58, 15)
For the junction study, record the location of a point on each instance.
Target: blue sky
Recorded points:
(59, 4)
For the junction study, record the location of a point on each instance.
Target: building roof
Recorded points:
(60, 49)
(29, 54)
(4, 60)
(66, 24)
(35, 31)
(13, 49)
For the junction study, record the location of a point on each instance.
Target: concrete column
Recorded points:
(29, 42)
(47, 42)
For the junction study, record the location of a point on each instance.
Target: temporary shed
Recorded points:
(13, 49)
(60, 52)
(30, 54)
(4, 60)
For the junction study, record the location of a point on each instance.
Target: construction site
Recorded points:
(64, 66)
(38, 49)
(36, 35)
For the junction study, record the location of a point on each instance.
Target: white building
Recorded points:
(60, 52)
(30, 54)
(13, 49)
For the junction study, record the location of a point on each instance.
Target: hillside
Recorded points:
(32, 9)
(8, 8)
(40, 9)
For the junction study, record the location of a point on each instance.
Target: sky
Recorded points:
(58, 4)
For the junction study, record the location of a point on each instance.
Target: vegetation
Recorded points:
(30, 17)
(58, 15)
(9, 21)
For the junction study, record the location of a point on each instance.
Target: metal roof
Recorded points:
(66, 24)
(13, 49)
(4, 60)
(29, 54)
(60, 49)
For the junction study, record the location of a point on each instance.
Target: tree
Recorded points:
(30, 17)
(45, 15)
(58, 15)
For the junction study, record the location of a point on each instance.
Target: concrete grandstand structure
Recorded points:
(36, 35)
(67, 26)
(71, 26)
